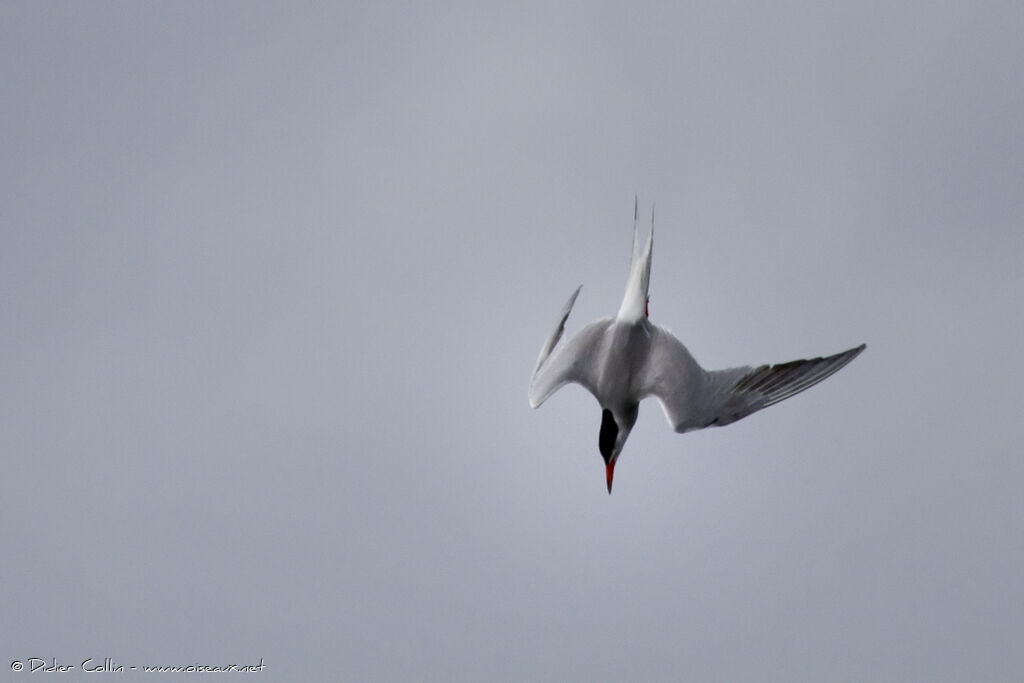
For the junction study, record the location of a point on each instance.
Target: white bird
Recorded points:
(624, 359)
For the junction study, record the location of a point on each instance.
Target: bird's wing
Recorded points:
(574, 361)
(693, 398)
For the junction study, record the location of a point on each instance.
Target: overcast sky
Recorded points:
(273, 280)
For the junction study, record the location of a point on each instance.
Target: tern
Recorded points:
(623, 359)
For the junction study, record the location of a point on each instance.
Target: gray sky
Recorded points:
(273, 280)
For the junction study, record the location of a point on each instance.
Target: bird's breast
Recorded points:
(624, 354)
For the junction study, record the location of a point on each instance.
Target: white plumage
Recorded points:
(624, 359)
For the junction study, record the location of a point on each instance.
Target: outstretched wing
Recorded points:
(574, 361)
(693, 398)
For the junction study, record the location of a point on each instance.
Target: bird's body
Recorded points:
(625, 359)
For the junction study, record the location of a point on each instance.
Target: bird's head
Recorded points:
(614, 432)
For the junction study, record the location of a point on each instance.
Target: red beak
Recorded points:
(609, 472)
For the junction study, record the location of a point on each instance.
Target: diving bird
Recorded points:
(626, 358)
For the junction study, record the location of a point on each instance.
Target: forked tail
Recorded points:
(634, 302)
